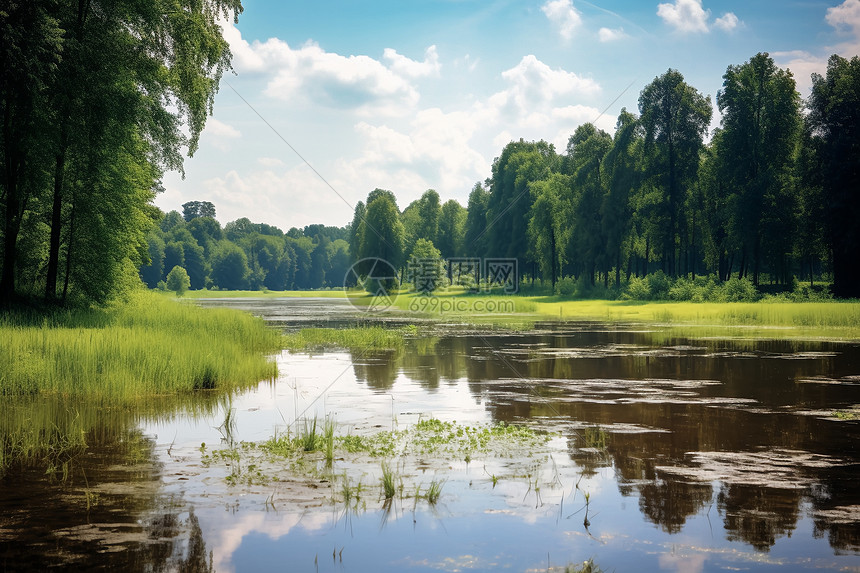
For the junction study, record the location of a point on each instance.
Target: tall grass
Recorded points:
(364, 338)
(145, 346)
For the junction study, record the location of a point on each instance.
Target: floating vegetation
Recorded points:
(364, 338)
(310, 455)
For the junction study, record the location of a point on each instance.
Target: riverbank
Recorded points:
(145, 346)
(768, 318)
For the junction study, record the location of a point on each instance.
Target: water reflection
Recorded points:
(681, 415)
(81, 488)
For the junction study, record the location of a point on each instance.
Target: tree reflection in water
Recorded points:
(660, 402)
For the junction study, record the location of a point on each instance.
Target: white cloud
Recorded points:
(533, 83)
(727, 22)
(291, 198)
(326, 78)
(610, 35)
(564, 16)
(219, 133)
(410, 68)
(270, 162)
(685, 15)
(310, 74)
(845, 16)
(802, 65)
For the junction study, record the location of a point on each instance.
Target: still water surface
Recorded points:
(668, 455)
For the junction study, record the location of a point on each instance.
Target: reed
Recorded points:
(145, 346)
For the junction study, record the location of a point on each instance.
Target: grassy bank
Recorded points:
(768, 318)
(147, 346)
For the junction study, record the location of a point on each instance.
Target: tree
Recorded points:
(675, 118)
(429, 211)
(474, 240)
(30, 46)
(151, 273)
(426, 269)
(384, 236)
(586, 150)
(622, 176)
(834, 121)
(509, 203)
(195, 209)
(98, 99)
(452, 225)
(178, 280)
(761, 128)
(547, 224)
(230, 267)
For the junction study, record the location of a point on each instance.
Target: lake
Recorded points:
(657, 453)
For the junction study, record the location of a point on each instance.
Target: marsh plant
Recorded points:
(434, 491)
(389, 481)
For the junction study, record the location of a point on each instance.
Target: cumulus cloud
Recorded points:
(845, 18)
(564, 16)
(313, 75)
(338, 81)
(404, 66)
(685, 15)
(610, 35)
(727, 22)
(533, 83)
(219, 133)
(690, 16)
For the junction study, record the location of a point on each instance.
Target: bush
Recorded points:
(178, 280)
(637, 289)
(736, 290)
(566, 286)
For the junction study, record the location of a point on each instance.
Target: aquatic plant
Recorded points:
(434, 491)
(364, 338)
(389, 483)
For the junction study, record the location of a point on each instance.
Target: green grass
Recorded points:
(145, 346)
(364, 338)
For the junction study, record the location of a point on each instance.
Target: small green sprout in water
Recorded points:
(846, 415)
(434, 491)
(389, 486)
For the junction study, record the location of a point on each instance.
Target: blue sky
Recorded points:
(410, 95)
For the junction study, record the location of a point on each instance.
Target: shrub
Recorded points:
(178, 280)
(566, 286)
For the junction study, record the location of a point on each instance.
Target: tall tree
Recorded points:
(621, 168)
(834, 119)
(548, 225)
(675, 118)
(474, 240)
(452, 224)
(761, 128)
(30, 47)
(136, 76)
(510, 202)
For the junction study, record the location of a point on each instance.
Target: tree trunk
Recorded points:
(56, 223)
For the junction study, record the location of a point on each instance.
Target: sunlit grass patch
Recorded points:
(145, 346)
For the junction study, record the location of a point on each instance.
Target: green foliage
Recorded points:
(178, 281)
(98, 103)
